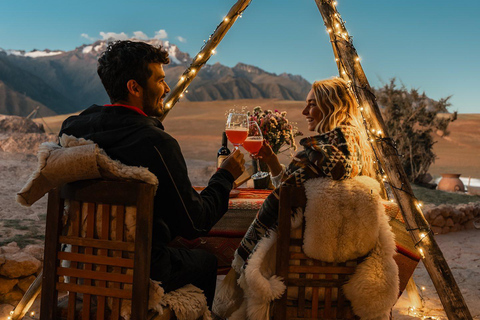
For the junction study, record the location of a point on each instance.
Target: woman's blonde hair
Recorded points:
(340, 108)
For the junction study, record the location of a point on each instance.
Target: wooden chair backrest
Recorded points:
(322, 280)
(98, 264)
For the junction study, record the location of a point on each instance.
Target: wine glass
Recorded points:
(253, 144)
(236, 128)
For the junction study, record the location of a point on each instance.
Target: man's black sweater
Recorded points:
(137, 140)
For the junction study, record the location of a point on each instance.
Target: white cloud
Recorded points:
(160, 34)
(181, 39)
(113, 35)
(86, 36)
(140, 35)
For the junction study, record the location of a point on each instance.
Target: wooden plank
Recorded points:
(102, 191)
(119, 226)
(75, 217)
(90, 290)
(351, 69)
(95, 275)
(103, 252)
(89, 258)
(205, 53)
(320, 270)
(98, 243)
(52, 232)
(143, 245)
(88, 251)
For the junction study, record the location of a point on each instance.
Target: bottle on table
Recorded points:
(223, 152)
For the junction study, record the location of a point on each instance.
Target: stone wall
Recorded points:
(18, 269)
(447, 218)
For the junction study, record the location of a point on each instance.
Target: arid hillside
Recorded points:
(198, 126)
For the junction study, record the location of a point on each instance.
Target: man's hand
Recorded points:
(234, 163)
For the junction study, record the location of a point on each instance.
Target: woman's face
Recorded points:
(312, 112)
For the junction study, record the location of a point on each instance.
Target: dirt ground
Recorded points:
(198, 127)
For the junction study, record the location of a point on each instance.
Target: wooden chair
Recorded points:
(100, 253)
(315, 284)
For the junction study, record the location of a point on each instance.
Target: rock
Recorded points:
(439, 221)
(24, 283)
(445, 230)
(433, 213)
(5, 310)
(2, 259)
(19, 264)
(12, 247)
(470, 225)
(35, 250)
(9, 124)
(447, 211)
(6, 284)
(449, 222)
(456, 227)
(436, 230)
(12, 297)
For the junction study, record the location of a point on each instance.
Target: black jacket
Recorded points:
(137, 140)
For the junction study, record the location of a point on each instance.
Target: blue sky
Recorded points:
(432, 45)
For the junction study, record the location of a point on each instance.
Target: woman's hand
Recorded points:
(265, 152)
(269, 157)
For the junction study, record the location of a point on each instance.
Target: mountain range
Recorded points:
(60, 82)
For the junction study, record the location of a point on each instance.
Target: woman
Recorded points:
(335, 164)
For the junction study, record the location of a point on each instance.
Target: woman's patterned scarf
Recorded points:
(334, 154)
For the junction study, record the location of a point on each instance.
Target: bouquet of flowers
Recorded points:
(275, 128)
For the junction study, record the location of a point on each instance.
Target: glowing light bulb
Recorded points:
(422, 235)
(357, 59)
(385, 176)
(186, 91)
(337, 59)
(181, 95)
(335, 3)
(213, 51)
(371, 140)
(343, 72)
(193, 71)
(361, 109)
(337, 25)
(11, 312)
(379, 132)
(423, 288)
(329, 30)
(32, 313)
(200, 56)
(226, 19)
(373, 130)
(182, 78)
(168, 105)
(392, 200)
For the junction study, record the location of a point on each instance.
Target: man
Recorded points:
(133, 76)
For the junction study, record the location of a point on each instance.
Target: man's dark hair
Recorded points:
(126, 60)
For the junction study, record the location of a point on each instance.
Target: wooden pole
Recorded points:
(204, 55)
(351, 70)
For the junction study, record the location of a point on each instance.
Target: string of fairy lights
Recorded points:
(207, 50)
(338, 33)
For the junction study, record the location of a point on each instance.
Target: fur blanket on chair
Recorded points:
(344, 220)
(79, 159)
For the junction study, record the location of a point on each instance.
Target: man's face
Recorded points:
(155, 90)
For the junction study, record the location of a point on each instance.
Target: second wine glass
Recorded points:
(253, 144)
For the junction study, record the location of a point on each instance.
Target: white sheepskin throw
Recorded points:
(345, 220)
(76, 159)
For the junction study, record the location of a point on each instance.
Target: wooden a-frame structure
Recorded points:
(389, 164)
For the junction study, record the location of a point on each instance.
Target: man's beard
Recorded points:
(149, 106)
